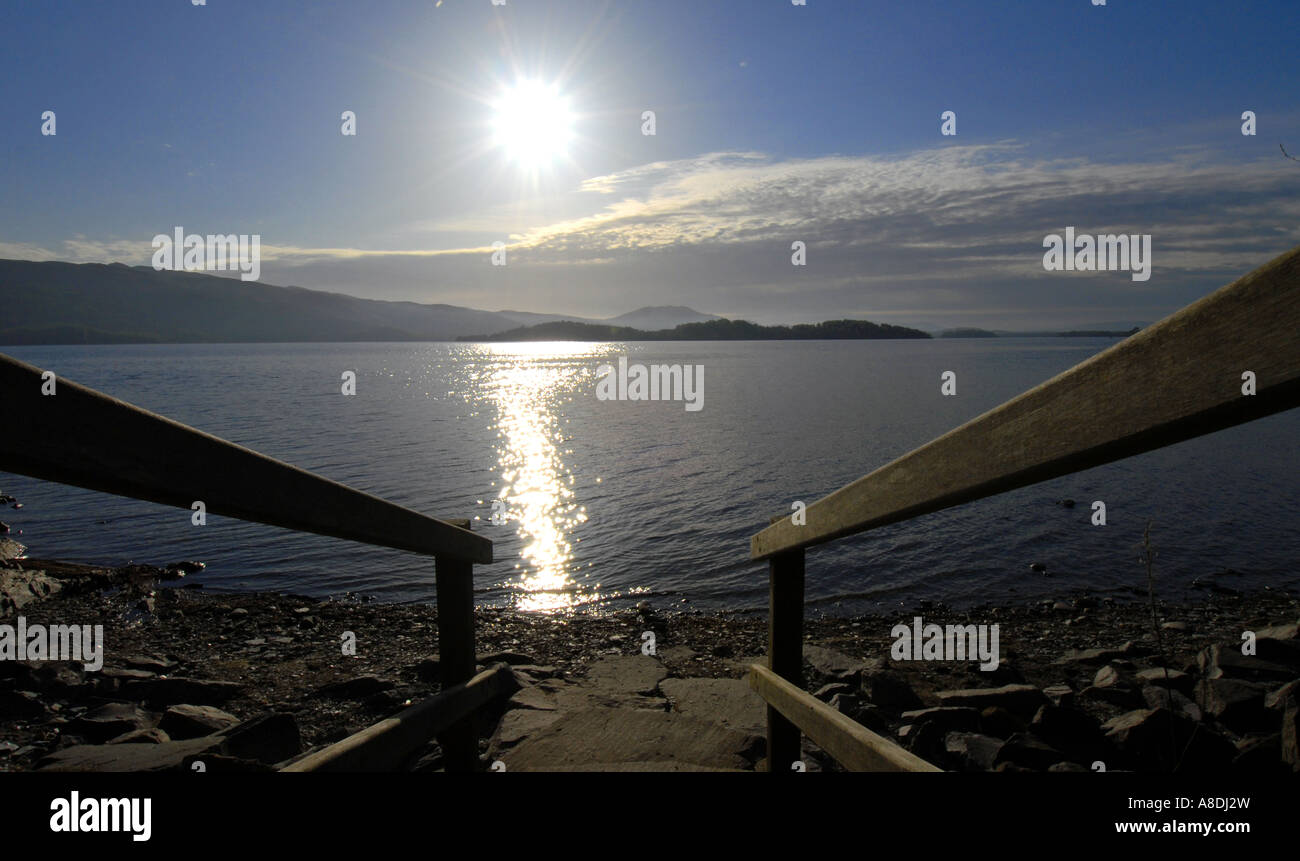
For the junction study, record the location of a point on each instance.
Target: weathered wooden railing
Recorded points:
(1178, 379)
(385, 746)
(57, 430)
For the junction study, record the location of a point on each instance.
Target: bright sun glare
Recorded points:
(533, 123)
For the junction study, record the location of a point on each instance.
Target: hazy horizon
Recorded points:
(629, 312)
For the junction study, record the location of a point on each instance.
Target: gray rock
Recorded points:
(1095, 657)
(1290, 735)
(123, 674)
(21, 705)
(627, 675)
(109, 721)
(163, 692)
(1108, 676)
(358, 688)
(1017, 699)
(828, 663)
(1026, 751)
(602, 739)
(685, 654)
(531, 697)
(512, 658)
(873, 718)
(825, 692)
(969, 751)
(1159, 741)
(535, 672)
(1278, 698)
(949, 718)
(1165, 677)
(141, 736)
(1227, 662)
(52, 678)
(1279, 645)
(518, 724)
(20, 588)
(1060, 695)
(1236, 703)
(1168, 698)
(1124, 696)
(271, 739)
(187, 721)
(1072, 731)
(889, 691)
(1143, 737)
(385, 702)
(846, 704)
(1004, 674)
(927, 741)
(999, 722)
(167, 756)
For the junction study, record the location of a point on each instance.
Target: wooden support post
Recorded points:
(456, 653)
(785, 651)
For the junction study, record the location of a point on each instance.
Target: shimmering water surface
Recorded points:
(607, 502)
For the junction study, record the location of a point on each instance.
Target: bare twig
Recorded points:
(1287, 154)
(1148, 558)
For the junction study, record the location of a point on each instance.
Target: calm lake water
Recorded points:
(614, 502)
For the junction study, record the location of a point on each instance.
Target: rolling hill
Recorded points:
(70, 303)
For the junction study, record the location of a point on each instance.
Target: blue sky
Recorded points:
(775, 123)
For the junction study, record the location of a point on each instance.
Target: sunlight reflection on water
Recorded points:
(529, 385)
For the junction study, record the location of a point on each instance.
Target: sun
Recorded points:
(532, 123)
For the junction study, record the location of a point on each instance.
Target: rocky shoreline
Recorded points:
(252, 681)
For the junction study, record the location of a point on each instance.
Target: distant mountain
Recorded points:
(1113, 329)
(660, 317)
(718, 329)
(967, 333)
(92, 303)
(1114, 326)
(1097, 333)
(109, 303)
(651, 318)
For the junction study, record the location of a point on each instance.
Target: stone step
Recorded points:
(600, 739)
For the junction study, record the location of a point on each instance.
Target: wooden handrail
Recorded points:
(385, 746)
(854, 746)
(1175, 380)
(85, 438)
(76, 435)
(1183, 377)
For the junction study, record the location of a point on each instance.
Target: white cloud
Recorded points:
(957, 230)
